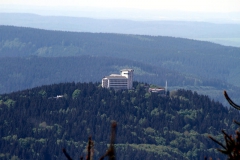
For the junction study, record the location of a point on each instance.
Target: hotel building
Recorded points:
(124, 80)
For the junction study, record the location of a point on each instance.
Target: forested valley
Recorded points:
(35, 124)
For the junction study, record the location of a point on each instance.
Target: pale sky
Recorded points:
(118, 7)
(182, 5)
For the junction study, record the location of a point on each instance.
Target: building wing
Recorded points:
(119, 81)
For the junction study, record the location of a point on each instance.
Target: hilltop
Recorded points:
(34, 125)
(45, 57)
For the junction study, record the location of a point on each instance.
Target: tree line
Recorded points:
(33, 125)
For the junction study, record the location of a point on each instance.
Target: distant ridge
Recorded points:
(226, 34)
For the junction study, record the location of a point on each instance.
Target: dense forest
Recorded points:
(33, 57)
(22, 73)
(29, 72)
(35, 124)
(193, 58)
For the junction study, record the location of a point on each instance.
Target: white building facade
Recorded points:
(124, 80)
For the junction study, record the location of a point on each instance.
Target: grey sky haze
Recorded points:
(179, 5)
(204, 10)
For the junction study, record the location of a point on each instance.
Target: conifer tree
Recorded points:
(109, 153)
(231, 147)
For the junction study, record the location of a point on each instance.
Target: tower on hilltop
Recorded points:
(128, 73)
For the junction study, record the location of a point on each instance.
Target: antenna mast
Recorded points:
(166, 88)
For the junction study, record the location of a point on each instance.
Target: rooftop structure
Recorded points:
(160, 90)
(124, 80)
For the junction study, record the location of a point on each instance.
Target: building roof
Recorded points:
(116, 77)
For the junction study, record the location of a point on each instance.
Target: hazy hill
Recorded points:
(22, 73)
(34, 125)
(194, 58)
(27, 72)
(227, 34)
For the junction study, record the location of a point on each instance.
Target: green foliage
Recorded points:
(15, 158)
(153, 127)
(43, 93)
(192, 114)
(153, 86)
(16, 43)
(231, 148)
(155, 112)
(8, 102)
(147, 95)
(76, 93)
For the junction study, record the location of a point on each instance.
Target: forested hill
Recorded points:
(29, 72)
(195, 58)
(34, 124)
(226, 34)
